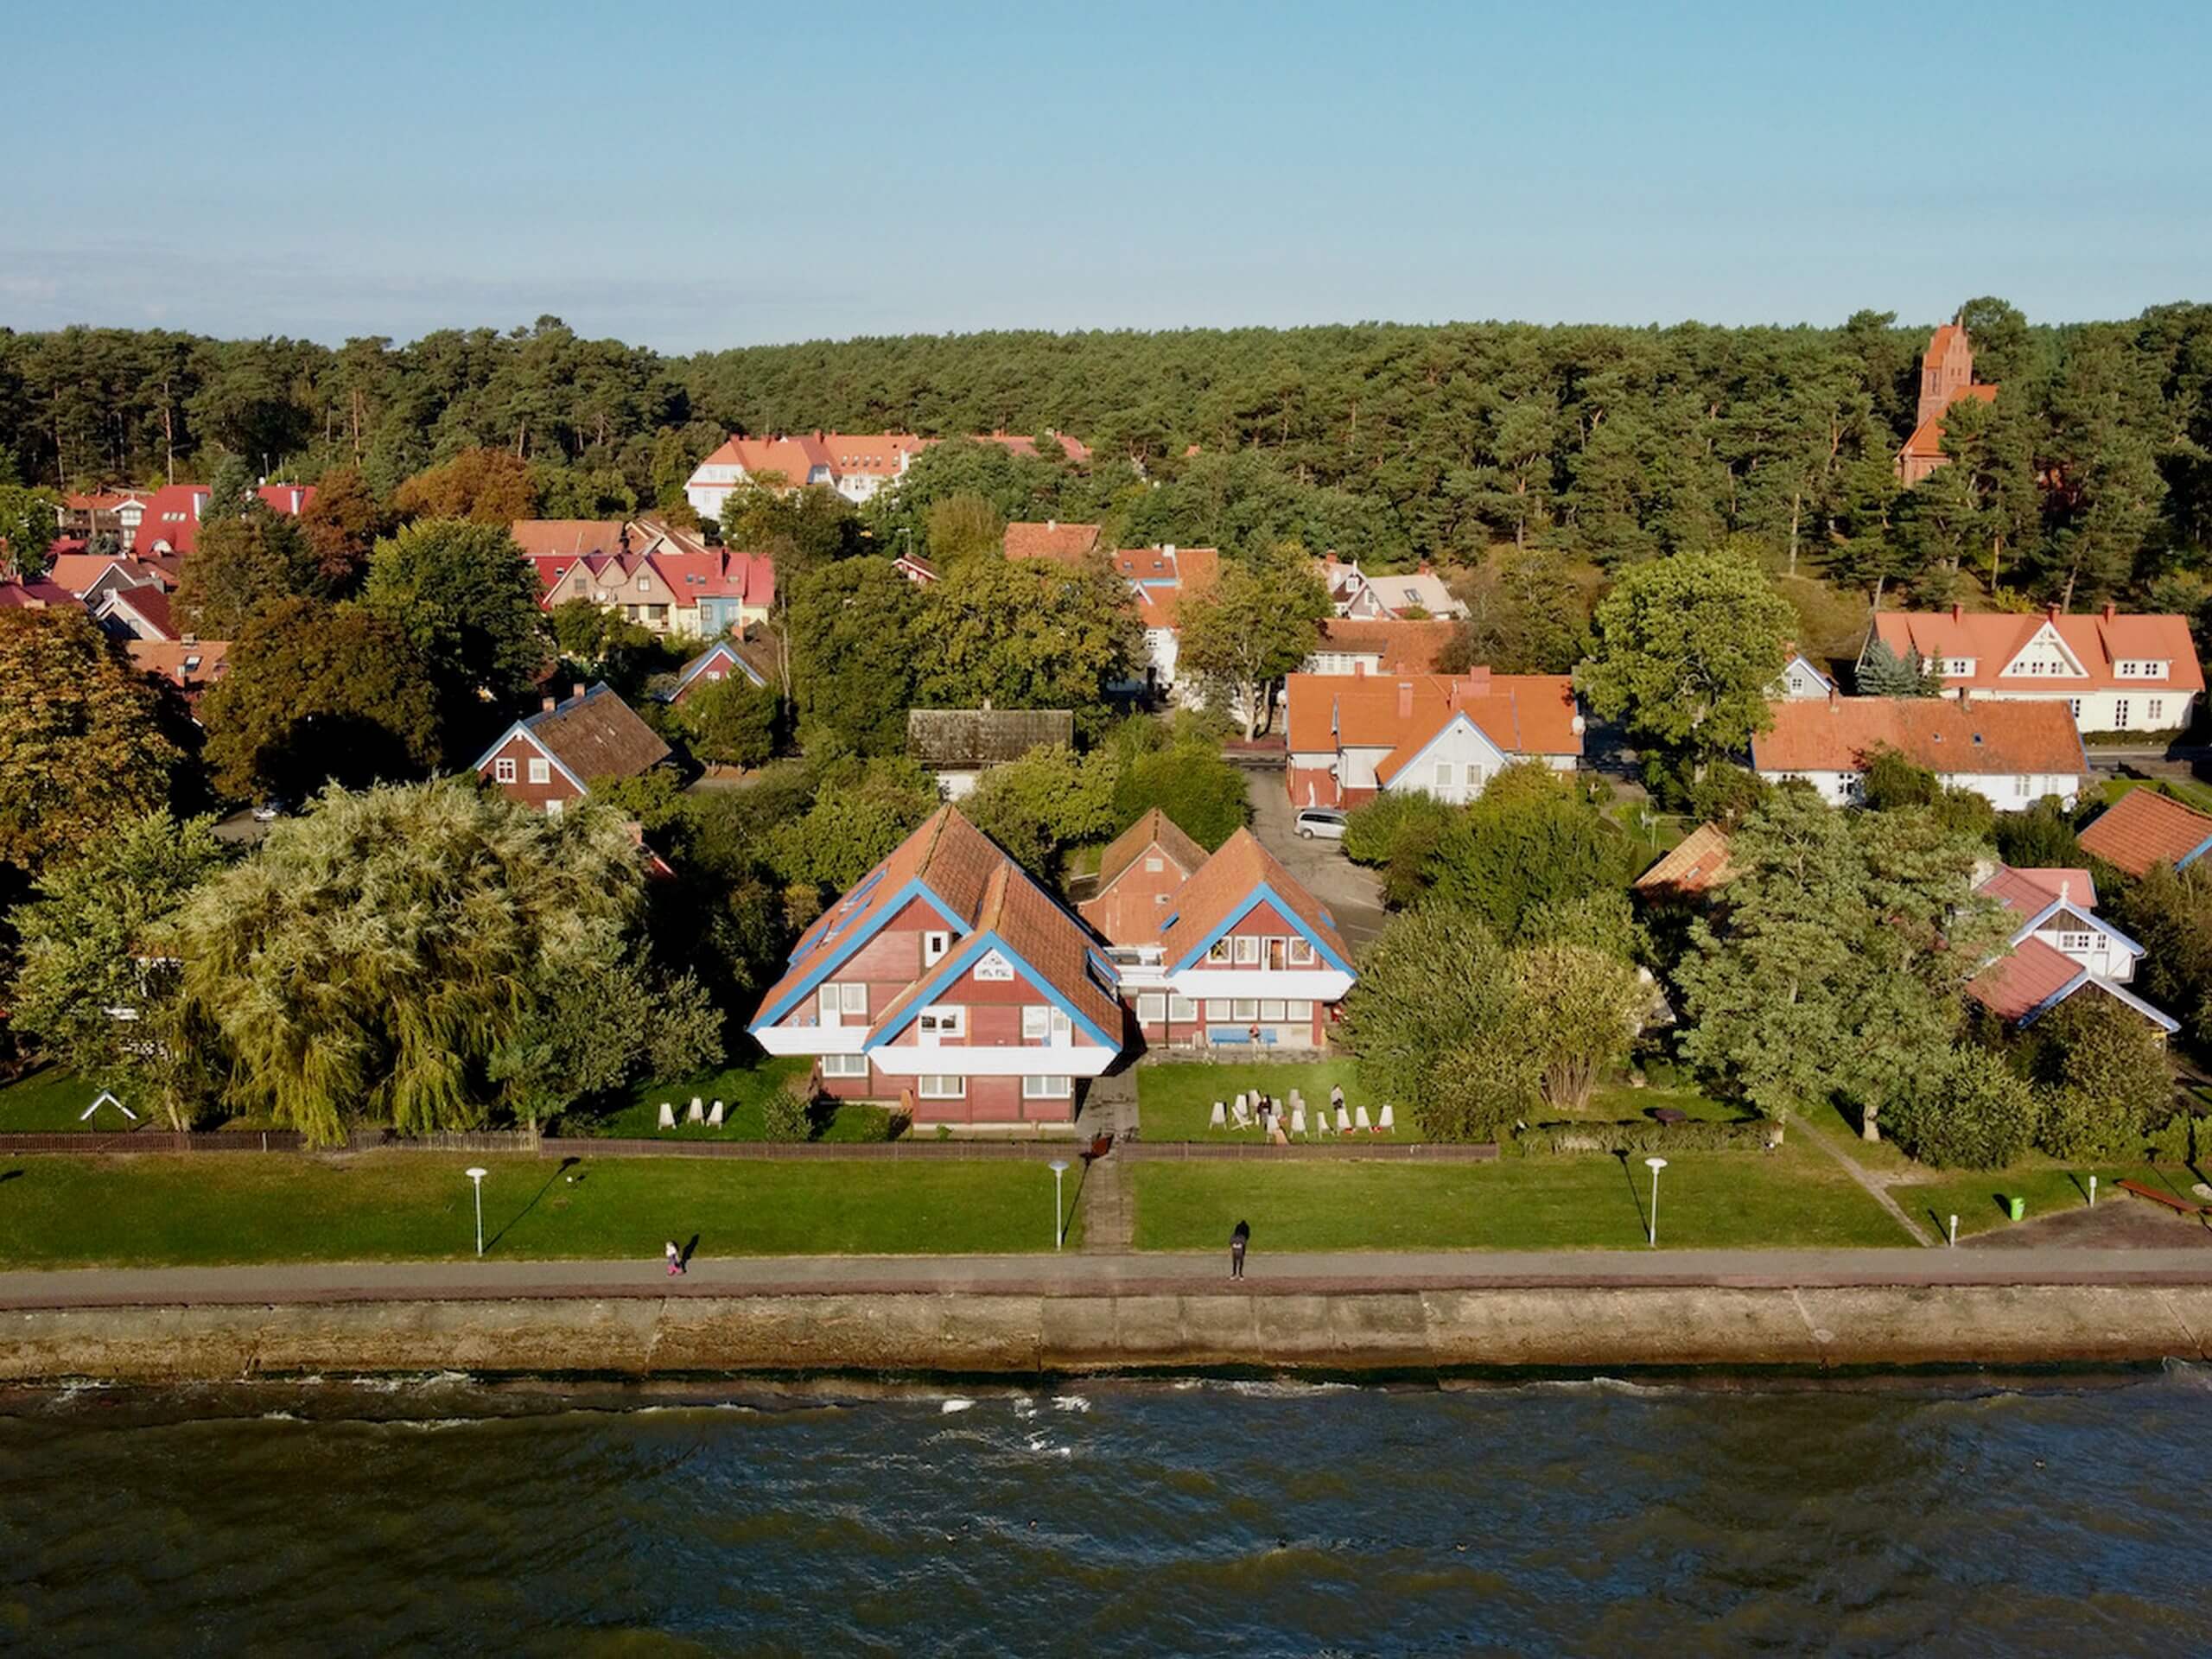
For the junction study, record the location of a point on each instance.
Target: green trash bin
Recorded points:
(2020, 1208)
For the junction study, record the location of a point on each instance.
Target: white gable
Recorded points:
(2046, 657)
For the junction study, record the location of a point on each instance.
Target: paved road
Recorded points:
(1353, 895)
(1079, 1275)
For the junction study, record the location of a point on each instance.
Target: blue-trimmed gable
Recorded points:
(1265, 890)
(972, 951)
(841, 952)
(2089, 919)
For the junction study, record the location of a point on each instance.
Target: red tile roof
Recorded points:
(1051, 540)
(1947, 737)
(2144, 827)
(191, 668)
(1223, 885)
(32, 595)
(2018, 984)
(2030, 892)
(1926, 439)
(2097, 641)
(1403, 647)
(539, 538)
(1133, 916)
(1698, 864)
(1521, 714)
(172, 514)
(1163, 576)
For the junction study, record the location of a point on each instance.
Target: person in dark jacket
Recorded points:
(1239, 1238)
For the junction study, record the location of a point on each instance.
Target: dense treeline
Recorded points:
(2088, 477)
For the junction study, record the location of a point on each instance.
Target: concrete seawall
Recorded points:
(1032, 1335)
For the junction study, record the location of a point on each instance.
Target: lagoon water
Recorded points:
(1593, 1518)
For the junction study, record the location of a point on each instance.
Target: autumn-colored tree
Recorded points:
(341, 523)
(81, 746)
(485, 486)
(244, 561)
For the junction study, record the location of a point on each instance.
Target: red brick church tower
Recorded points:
(1946, 375)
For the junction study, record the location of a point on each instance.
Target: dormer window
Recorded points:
(935, 943)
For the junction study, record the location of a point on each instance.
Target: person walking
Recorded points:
(675, 1260)
(1239, 1237)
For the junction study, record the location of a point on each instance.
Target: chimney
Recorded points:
(548, 703)
(1477, 682)
(2052, 613)
(1360, 668)
(189, 640)
(1405, 699)
(1422, 568)
(2111, 610)
(576, 689)
(1958, 611)
(1051, 523)
(1836, 698)
(1168, 548)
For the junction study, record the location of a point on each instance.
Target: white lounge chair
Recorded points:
(714, 1117)
(1343, 1121)
(698, 1112)
(1359, 1118)
(1238, 1116)
(1384, 1120)
(1220, 1118)
(667, 1115)
(1297, 1118)
(1244, 1104)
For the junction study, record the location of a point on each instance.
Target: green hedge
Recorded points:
(1642, 1135)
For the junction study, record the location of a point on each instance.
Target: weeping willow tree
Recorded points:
(374, 958)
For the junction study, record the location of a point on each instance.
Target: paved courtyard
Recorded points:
(1353, 895)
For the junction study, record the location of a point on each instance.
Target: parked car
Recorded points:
(1324, 821)
(270, 810)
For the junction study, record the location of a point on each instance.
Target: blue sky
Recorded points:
(689, 177)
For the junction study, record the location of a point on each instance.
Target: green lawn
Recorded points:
(166, 1210)
(1796, 1198)
(1614, 1102)
(1980, 1199)
(1175, 1100)
(741, 1089)
(1828, 1122)
(50, 1098)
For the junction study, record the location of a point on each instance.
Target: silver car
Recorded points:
(1324, 821)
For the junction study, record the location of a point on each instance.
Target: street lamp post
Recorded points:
(1059, 1168)
(1654, 1165)
(477, 1177)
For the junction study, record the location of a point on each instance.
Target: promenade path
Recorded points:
(1077, 1274)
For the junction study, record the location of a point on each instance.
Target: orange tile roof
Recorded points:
(1521, 714)
(2029, 892)
(2144, 827)
(1133, 916)
(542, 537)
(1947, 337)
(2098, 640)
(1155, 829)
(1947, 737)
(189, 667)
(1404, 647)
(1221, 886)
(1051, 540)
(1926, 439)
(1699, 863)
(1163, 576)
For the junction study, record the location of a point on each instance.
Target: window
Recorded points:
(1218, 951)
(1444, 774)
(935, 943)
(1041, 1024)
(844, 1066)
(1271, 1011)
(2119, 713)
(2072, 942)
(1181, 1007)
(1301, 953)
(2155, 710)
(645, 582)
(2074, 706)
(1048, 1088)
(994, 967)
(1152, 1009)
(1247, 951)
(1300, 1013)
(1245, 1008)
(941, 1088)
(1220, 1008)
(938, 1022)
(553, 809)
(1153, 866)
(503, 769)
(2020, 786)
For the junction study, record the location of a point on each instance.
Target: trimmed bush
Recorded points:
(788, 1114)
(1640, 1135)
(1972, 1111)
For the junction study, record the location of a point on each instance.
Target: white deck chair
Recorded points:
(714, 1117)
(667, 1115)
(1385, 1121)
(1359, 1118)
(1297, 1117)
(698, 1112)
(1220, 1118)
(1243, 1103)
(1238, 1116)
(1343, 1122)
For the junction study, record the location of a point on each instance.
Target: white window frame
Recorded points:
(1246, 1008)
(503, 770)
(1041, 1023)
(1048, 1088)
(1181, 1009)
(1301, 952)
(1152, 1008)
(1250, 952)
(1272, 1011)
(1444, 774)
(940, 1021)
(1299, 1013)
(1218, 950)
(2155, 710)
(940, 1086)
(554, 808)
(2071, 942)
(1221, 1008)
(935, 943)
(844, 1066)
(541, 771)
(2119, 713)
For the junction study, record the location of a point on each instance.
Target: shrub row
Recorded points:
(1641, 1135)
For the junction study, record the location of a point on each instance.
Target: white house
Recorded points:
(2012, 753)
(1445, 736)
(2061, 946)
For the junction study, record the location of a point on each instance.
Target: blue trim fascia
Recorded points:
(2095, 922)
(838, 956)
(2187, 859)
(521, 728)
(1288, 913)
(971, 950)
(2157, 1017)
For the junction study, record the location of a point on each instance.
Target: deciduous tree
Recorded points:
(1259, 621)
(467, 600)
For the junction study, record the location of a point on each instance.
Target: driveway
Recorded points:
(1353, 894)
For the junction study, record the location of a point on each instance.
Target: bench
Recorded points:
(2180, 1206)
(1670, 1115)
